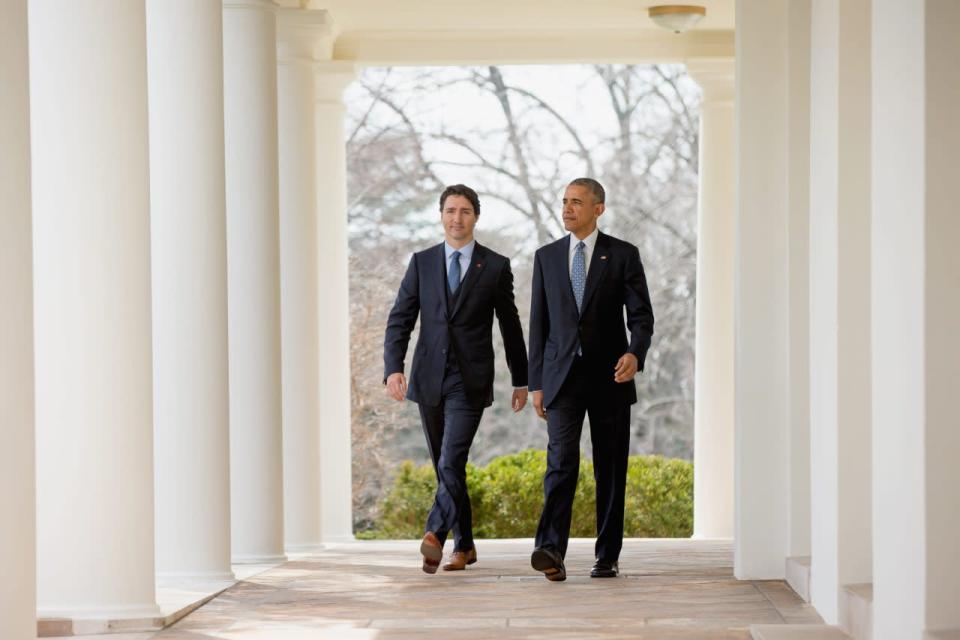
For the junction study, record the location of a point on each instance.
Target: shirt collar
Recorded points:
(466, 251)
(590, 240)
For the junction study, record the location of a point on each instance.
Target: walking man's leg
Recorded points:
(564, 426)
(610, 437)
(432, 420)
(451, 503)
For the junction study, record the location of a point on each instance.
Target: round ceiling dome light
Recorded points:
(677, 17)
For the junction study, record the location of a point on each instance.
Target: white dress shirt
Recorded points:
(589, 243)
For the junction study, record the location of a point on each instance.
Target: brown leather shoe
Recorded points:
(432, 552)
(460, 559)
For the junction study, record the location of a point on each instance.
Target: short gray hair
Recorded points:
(599, 195)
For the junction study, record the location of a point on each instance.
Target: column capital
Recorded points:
(332, 78)
(715, 77)
(304, 35)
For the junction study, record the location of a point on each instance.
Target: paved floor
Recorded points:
(375, 590)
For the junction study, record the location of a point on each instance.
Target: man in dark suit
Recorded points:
(582, 363)
(455, 287)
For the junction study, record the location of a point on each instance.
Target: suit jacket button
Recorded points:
(443, 350)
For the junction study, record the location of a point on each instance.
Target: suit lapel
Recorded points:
(439, 270)
(477, 263)
(598, 263)
(561, 267)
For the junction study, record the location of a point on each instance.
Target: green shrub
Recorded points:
(402, 511)
(507, 496)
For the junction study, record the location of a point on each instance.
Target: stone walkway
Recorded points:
(375, 590)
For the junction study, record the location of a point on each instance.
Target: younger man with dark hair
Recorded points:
(455, 288)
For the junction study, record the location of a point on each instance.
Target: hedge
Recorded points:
(507, 496)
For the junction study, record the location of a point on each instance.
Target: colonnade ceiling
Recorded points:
(446, 32)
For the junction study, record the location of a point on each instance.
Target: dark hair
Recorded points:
(599, 195)
(461, 190)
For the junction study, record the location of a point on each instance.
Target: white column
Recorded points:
(253, 276)
(839, 300)
(299, 34)
(713, 404)
(94, 409)
(17, 498)
(916, 311)
(335, 452)
(188, 218)
(798, 202)
(761, 377)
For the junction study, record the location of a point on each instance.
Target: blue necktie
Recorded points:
(453, 276)
(578, 275)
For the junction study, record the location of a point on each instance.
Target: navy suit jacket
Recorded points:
(466, 327)
(615, 280)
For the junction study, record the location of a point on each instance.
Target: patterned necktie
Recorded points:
(578, 274)
(453, 276)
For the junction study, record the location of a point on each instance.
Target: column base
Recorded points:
(259, 559)
(706, 536)
(856, 610)
(77, 622)
(798, 576)
(93, 613)
(305, 547)
(796, 632)
(336, 538)
(174, 603)
(167, 579)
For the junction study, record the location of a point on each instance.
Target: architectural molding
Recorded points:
(521, 46)
(716, 77)
(255, 5)
(304, 36)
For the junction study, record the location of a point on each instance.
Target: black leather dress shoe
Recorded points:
(604, 569)
(549, 562)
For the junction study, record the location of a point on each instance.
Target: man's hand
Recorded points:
(519, 400)
(626, 368)
(538, 404)
(397, 386)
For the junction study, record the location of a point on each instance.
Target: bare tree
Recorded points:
(519, 156)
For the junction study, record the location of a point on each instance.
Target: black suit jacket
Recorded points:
(615, 280)
(466, 327)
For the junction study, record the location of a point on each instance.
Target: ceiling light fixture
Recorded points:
(677, 17)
